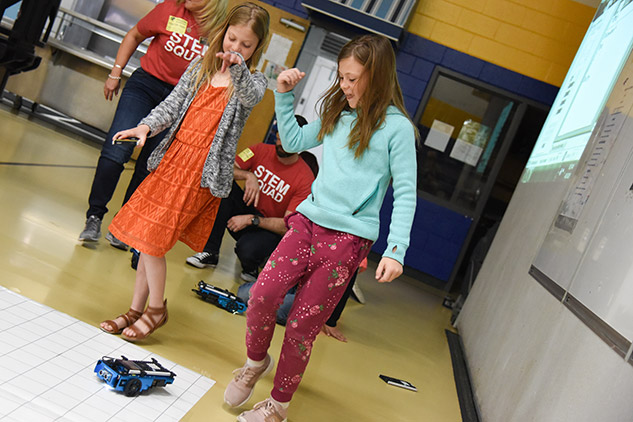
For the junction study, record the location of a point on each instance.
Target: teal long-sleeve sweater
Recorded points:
(348, 192)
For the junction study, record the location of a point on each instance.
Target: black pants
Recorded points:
(253, 245)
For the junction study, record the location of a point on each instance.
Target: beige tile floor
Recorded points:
(45, 177)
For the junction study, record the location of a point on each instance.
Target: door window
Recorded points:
(462, 129)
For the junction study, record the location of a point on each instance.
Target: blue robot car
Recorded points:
(220, 297)
(132, 376)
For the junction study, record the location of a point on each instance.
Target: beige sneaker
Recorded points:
(241, 387)
(266, 411)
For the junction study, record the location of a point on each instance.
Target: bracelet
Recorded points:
(114, 77)
(118, 66)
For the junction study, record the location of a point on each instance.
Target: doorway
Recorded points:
(475, 141)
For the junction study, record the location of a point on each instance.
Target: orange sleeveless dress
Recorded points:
(170, 204)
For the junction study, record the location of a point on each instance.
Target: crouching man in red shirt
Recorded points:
(275, 184)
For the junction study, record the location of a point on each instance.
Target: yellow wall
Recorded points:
(536, 38)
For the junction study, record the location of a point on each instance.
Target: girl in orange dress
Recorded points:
(192, 168)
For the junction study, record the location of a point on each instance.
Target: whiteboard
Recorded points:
(604, 280)
(584, 92)
(589, 248)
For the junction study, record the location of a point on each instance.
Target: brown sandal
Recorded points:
(130, 318)
(153, 318)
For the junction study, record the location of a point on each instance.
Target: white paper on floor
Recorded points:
(47, 361)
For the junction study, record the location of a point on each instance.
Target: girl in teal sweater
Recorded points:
(368, 141)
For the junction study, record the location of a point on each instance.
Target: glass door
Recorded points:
(462, 131)
(466, 130)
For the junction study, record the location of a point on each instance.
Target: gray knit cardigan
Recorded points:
(217, 174)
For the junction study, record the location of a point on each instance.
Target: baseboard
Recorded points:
(467, 402)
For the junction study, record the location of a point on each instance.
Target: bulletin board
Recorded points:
(282, 52)
(588, 250)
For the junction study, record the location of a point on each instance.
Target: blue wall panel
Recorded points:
(436, 237)
(428, 54)
(290, 6)
(421, 47)
(463, 63)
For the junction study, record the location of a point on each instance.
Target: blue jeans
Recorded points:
(141, 94)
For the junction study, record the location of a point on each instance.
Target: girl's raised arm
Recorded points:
(288, 79)
(293, 137)
(249, 87)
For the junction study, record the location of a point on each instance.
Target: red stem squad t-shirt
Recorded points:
(281, 187)
(176, 41)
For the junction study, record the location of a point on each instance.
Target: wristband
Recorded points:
(118, 66)
(116, 78)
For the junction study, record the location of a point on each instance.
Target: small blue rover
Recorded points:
(132, 376)
(220, 297)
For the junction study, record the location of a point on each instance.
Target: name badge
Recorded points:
(176, 24)
(246, 155)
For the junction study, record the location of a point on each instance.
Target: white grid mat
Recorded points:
(47, 361)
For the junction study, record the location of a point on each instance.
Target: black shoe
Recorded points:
(249, 276)
(203, 260)
(135, 256)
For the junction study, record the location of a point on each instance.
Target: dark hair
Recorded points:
(301, 120)
(311, 161)
(274, 129)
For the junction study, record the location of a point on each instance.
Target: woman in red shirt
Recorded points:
(180, 29)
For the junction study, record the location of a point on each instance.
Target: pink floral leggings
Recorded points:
(321, 262)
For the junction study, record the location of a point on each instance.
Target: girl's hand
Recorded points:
(139, 132)
(228, 59)
(388, 270)
(288, 79)
(111, 88)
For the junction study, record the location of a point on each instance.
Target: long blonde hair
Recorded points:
(210, 17)
(257, 18)
(375, 54)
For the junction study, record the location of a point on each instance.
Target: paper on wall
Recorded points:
(278, 49)
(439, 135)
(271, 72)
(470, 143)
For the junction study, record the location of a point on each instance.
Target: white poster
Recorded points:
(471, 141)
(278, 49)
(439, 135)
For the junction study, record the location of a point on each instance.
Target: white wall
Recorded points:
(530, 358)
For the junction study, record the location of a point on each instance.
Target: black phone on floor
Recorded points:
(398, 382)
